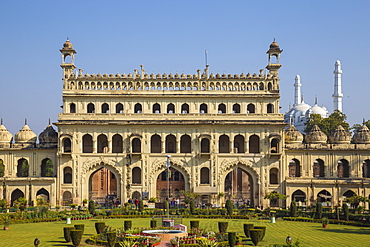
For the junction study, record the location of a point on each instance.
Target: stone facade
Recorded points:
(224, 134)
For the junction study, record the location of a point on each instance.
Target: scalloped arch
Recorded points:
(159, 166)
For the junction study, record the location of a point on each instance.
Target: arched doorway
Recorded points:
(136, 195)
(299, 196)
(176, 184)
(44, 194)
(238, 187)
(324, 197)
(17, 193)
(67, 198)
(103, 186)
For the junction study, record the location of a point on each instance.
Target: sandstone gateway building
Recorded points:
(224, 133)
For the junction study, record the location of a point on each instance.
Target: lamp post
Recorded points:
(168, 165)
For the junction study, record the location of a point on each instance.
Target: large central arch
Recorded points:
(103, 181)
(240, 182)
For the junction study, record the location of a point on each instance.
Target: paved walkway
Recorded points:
(165, 243)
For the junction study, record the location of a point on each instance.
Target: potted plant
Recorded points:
(6, 222)
(325, 222)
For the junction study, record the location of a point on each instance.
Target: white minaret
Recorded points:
(297, 91)
(337, 96)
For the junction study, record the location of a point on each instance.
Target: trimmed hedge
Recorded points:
(256, 235)
(127, 224)
(153, 224)
(263, 228)
(232, 238)
(194, 224)
(67, 233)
(246, 228)
(222, 226)
(80, 227)
(111, 238)
(99, 227)
(76, 236)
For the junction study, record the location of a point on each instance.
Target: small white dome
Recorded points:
(317, 110)
(302, 107)
(5, 135)
(25, 135)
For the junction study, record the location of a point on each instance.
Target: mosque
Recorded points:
(218, 135)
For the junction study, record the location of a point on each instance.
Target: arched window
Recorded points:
(87, 144)
(269, 86)
(136, 145)
(270, 108)
(294, 168)
(22, 168)
(2, 168)
(203, 108)
(236, 108)
(254, 144)
(349, 193)
(90, 108)
(67, 198)
(224, 144)
(117, 144)
(366, 169)
(318, 168)
(119, 108)
(204, 175)
(136, 175)
(170, 108)
(185, 108)
(16, 194)
(324, 196)
(251, 108)
(67, 175)
(138, 108)
(155, 144)
(221, 108)
(185, 144)
(72, 108)
(204, 146)
(105, 108)
(102, 144)
(170, 144)
(47, 168)
(299, 196)
(67, 145)
(239, 144)
(274, 176)
(261, 86)
(156, 108)
(274, 146)
(343, 169)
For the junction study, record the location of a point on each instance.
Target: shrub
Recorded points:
(111, 238)
(256, 235)
(229, 207)
(80, 227)
(318, 214)
(67, 233)
(263, 228)
(192, 207)
(127, 224)
(153, 224)
(345, 212)
(99, 227)
(232, 239)
(325, 221)
(141, 206)
(194, 224)
(76, 236)
(91, 207)
(247, 227)
(222, 226)
(293, 209)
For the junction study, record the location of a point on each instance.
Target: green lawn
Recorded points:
(309, 234)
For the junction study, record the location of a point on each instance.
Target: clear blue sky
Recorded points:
(171, 36)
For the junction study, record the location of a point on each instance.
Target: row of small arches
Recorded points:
(170, 142)
(23, 168)
(170, 108)
(343, 168)
(172, 86)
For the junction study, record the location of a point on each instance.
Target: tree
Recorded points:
(91, 207)
(293, 209)
(318, 214)
(2, 168)
(192, 207)
(345, 211)
(355, 201)
(229, 207)
(357, 127)
(20, 203)
(49, 168)
(189, 196)
(274, 197)
(328, 125)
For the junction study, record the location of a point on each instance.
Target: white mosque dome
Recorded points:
(302, 107)
(317, 110)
